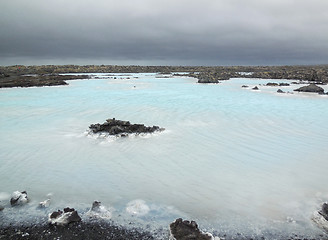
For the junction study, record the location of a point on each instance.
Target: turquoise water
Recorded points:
(233, 159)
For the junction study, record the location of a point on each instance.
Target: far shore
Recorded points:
(49, 75)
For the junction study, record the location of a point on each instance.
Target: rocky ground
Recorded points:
(81, 230)
(315, 74)
(106, 230)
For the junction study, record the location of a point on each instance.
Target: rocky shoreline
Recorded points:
(48, 75)
(108, 230)
(36, 80)
(97, 223)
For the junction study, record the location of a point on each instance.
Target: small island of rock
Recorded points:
(122, 128)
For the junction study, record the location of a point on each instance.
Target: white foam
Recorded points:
(137, 207)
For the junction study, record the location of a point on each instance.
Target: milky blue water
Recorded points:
(234, 159)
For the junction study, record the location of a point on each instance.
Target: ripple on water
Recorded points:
(233, 159)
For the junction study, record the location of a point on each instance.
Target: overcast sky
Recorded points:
(168, 32)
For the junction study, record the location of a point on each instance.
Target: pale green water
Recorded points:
(233, 159)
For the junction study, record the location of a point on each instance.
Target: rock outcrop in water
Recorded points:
(19, 198)
(321, 217)
(36, 80)
(324, 211)
(272, 84)
(186, 230)
(61, 218)
(122, 128)
(280, 91)
(310, 88)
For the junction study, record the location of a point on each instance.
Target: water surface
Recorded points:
(233, 159)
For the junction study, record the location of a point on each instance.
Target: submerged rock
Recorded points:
(64, 218)
(121, 128)
(99, 211)
(310, 88)
(321, 217)
(280, 91)
(185, 230)
(1, 208)
(45, 203)
(18, 198)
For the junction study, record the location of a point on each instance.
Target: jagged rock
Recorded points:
(61, 218)
(310, 88)
(324, 211)
(121, 128)
(18, 198)
(255, 88)
(186, 230)
(99, 211)
(280, 91)
(321, 217)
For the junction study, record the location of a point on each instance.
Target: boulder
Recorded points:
(310, 88)
(18, 198)
(255, 88)
(244, 86)
(185, 230)
(1, 208)
(61, 218)
(121, 128)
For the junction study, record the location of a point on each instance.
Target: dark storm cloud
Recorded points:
(149, 31)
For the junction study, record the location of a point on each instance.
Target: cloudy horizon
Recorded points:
(150, 32)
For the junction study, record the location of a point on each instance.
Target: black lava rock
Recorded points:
(121, 128)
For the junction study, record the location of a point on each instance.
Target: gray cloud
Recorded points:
(207, 32)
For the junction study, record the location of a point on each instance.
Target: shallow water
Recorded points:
(233, 159)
